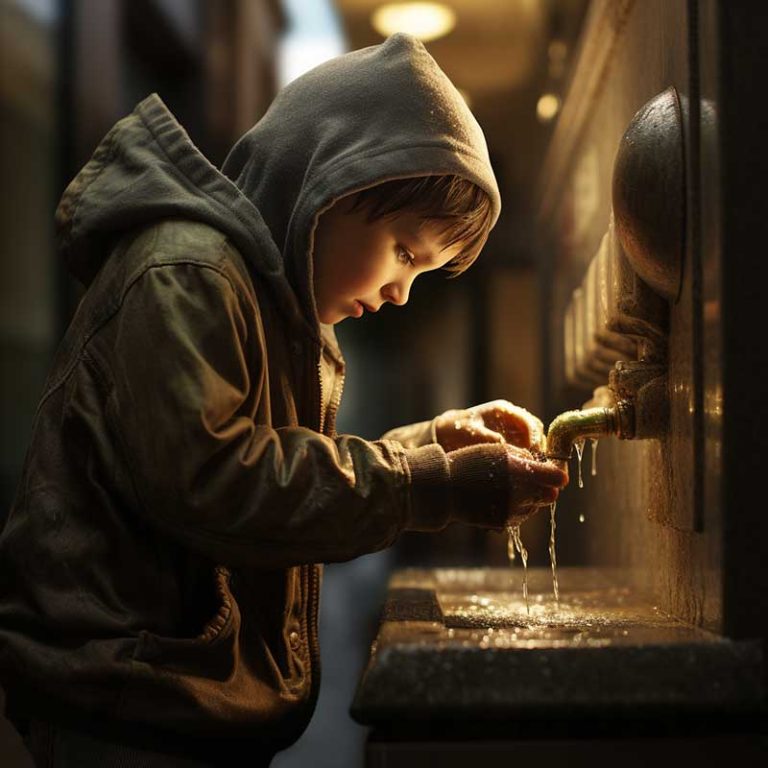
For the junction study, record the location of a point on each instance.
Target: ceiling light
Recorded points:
(547, 107)
(427, 21)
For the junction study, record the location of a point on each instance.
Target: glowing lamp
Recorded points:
(426, 21)
(547, 107)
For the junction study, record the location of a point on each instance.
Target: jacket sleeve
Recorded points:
(189, 373)
(413, 435)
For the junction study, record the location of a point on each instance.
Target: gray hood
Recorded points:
(379, 113)
(147, 169)
(376, 114)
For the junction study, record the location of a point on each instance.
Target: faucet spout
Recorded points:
(635, 405)
(572, 426)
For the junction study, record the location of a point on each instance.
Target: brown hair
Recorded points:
(462, 206)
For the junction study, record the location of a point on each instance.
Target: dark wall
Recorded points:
(677, 513)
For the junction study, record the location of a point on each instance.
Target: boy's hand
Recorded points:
(496, 422)
(533, 483)
(495, 488)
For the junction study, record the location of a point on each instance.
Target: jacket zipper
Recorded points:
(313, 577)
(321, 415)
(313, 571)
(333, 406)
(327, 416)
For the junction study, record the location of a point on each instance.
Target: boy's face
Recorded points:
(360, 264)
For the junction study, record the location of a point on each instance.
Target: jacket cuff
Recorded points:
(430, 508)
(470, 485)
(480, 485)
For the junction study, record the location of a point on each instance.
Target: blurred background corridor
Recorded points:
(71, 68)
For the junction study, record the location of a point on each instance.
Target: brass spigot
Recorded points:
(635, 406)
(574, 426)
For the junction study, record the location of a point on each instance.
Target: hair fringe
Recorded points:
(460, 206)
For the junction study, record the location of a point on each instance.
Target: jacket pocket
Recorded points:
(211, 654)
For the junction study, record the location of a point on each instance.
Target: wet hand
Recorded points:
(495, 486)
(532, 483)
(498, 421)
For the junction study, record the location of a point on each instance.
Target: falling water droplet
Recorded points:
(579, 446)
(581, 518)
(552, 555)
(594, 457)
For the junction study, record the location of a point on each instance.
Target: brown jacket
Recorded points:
(185, 473)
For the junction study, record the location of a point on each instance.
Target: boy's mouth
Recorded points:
(359, 308)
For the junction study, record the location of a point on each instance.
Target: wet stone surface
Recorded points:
(460, 643)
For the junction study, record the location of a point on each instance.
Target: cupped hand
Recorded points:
(498, 421)
(498, 485)
(533, 483)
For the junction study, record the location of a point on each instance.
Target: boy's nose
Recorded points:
(396, 293)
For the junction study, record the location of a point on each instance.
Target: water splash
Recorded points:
(552, 555)
(579, 446)
(594, 456)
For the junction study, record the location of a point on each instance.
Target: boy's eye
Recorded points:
(404, 255)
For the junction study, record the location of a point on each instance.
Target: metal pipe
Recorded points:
(573, 426)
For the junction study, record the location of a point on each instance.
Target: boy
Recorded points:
(159, 604)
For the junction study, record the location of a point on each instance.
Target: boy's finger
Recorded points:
(519, 426)
(472, 434)
(521, 514)
(533, 496)
(547, 495)
(515, 429)
(538, 472)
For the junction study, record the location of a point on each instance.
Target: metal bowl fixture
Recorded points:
(649, 193)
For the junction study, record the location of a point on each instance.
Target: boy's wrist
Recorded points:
(430, 491)
(480, 484)
(470, 485)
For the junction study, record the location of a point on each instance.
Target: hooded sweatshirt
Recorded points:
(184, 473)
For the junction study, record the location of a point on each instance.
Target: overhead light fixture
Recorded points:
(427, 21)
(547, 107)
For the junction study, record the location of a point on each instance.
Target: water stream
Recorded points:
(552, 555)
(517, 543)
(579, 446)
(510, 545)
